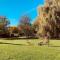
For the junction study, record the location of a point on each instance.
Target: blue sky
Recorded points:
(14, 9)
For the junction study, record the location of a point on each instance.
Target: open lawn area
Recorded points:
(23, 50)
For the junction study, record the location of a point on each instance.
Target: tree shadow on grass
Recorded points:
(50, 45)
(54, 46)
(18, 38)
(11, 43)
(24, 44)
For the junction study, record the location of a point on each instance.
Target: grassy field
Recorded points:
(22, 50)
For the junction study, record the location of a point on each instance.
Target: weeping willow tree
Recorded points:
(49, 15)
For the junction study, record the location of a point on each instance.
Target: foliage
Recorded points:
(25, 26)
(50, 19)
(4, 26)
(15, 30)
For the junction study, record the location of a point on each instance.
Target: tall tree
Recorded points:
(26, 26)
(50, 18)
(4, 22)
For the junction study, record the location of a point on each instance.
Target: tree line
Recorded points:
(24, 28)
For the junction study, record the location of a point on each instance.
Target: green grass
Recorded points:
(21, 50)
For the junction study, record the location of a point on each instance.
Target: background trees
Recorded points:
(25, 26)
(4, 22)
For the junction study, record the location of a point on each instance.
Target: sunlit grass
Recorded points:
(24, 51)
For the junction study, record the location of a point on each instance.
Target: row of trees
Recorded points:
(24, 28)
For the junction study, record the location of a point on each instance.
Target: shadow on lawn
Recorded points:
(18, 38)
(10, 43)
(54, 46)
(24, 44)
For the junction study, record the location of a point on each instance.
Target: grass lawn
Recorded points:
(21, 50)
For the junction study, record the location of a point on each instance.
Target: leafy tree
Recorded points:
(50, 19)
(15, 30)
(26, 26)
(4, 22)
